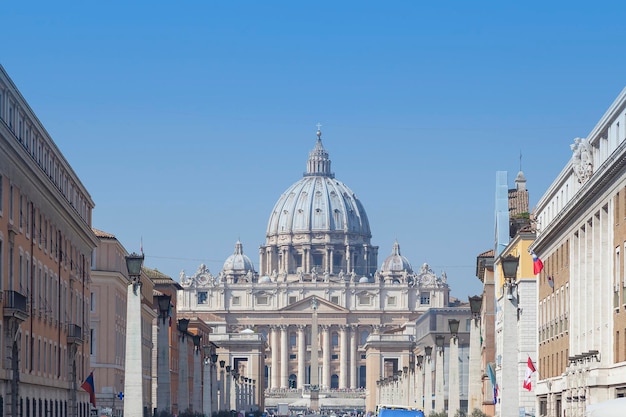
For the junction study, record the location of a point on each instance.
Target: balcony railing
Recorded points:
(15, 305)
(74, 334)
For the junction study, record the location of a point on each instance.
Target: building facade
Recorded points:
(45, 255)
(581, 239)
(317, 259)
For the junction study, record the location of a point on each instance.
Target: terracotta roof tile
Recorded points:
(103, 235)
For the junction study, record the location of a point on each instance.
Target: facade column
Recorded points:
(439, 391)
(348, 259)
(509, 383)
(343, 357)
(301, 356)
(197, 379)
(353, 355)
(428, 385)
(284, 356)
(332, 261)
(454, 400)
(326, 357)
(133, 380)
(275, 361)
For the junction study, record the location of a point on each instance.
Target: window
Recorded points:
(365, 299)
(334, 339)
(425, 298)
(236, 301)
(262, 299)
(364, 335)
(292, 339)
(1, 195)
(334, 299)
(391, 301)
(202, 297)
(293, 300)
(92, 302)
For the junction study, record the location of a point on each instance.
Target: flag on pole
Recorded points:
(141, 246)
(530, 369)
(492, 378)
(537, 264)
(88, 386)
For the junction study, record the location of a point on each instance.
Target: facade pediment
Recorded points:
(323, 306)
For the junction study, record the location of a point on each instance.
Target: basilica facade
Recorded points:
(317, 260)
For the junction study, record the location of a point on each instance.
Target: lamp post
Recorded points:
(454, 400)
(508, 380)
(163, 354)
(475, 363)
(133, 379)
(428, 381)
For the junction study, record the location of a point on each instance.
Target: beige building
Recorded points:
(45, 256)
(582, 240)
(109, 288)
(317, 257)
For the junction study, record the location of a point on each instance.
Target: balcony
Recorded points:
(74, 334)
(15, 305)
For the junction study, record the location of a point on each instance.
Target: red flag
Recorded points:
(88, 386)
(530, 369)
(537, 264)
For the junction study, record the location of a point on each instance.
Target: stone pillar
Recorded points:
(133, 380)
(301, 356)
(353, 355)
(428, 385)
(183, 374)
(343, 357)
(326, 357)
(419, 386)
(332, 262)
(284, 356)
(164, 390)
(474, 394)
(510, 382)
(439, 390)
(197, 380)
(454, 400)
(275, 383)
(207, 408)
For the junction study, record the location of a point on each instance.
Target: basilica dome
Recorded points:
(238, 262)
(396, 262)
(318, 203)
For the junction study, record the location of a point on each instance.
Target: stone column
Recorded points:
(275, 383)
(343, 357)
(475, 375)
(183, 373)
(197, 380)
(419, 386)
(133, 380)
(164, 391)
(353, 355)
(454, 401)
(439, 391)
(428, 385)
(509, 383)
(326, 357)
(284, 356)
(301, 356)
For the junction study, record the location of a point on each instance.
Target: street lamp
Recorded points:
(428, 350)
(133, 381)
(509, 270)
(476, 303)
(439, 341)
(183, 326)
(164, 306)
(454, 327)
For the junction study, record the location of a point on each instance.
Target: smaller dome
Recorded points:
(265, 279)
(238, 261)
(247, 331)
(396, 262)
(363, 280)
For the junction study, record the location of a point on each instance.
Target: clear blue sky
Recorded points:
(187, 120)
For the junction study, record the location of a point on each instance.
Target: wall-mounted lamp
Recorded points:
(196, 342)
(420, 360)
(222, 363)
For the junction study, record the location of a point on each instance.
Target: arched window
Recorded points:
(335, 339)
(334, 381)
(292, 339)
(364, 335)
